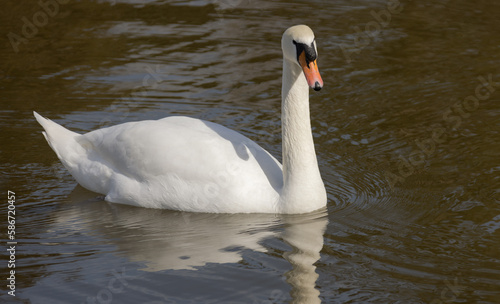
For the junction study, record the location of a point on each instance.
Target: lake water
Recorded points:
(407, 132)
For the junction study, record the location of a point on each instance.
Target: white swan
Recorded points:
(188, 164)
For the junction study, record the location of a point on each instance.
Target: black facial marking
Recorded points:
(309, 50)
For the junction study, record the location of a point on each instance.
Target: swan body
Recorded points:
(188, 164)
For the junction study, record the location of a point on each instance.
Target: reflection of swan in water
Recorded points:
(305, 235)
(163, 239)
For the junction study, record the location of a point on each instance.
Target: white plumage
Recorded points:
(188, 164)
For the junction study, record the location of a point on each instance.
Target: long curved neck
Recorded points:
(303, 188)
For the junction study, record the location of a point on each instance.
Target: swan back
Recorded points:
(177, 163)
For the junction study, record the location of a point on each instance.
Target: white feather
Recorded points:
(188, 164)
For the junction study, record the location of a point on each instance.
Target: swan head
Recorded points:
(299, 47)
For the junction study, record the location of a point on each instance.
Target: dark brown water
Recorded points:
(406, 132)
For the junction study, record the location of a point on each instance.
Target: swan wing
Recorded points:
(176, 163)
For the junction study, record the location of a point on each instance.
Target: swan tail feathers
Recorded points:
(59, 138)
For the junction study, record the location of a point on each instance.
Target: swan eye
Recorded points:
(309, 50)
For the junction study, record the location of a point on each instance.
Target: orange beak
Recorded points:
(311, 72)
